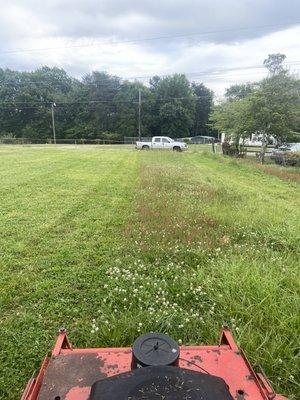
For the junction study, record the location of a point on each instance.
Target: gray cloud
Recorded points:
(58, 25)
(134, 19)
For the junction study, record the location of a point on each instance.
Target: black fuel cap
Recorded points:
(153, 349)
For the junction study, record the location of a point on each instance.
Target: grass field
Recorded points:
(110, 242)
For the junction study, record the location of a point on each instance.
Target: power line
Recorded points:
(62, 103)
(45, 102)
(211, 72)
(57, 84)
(46, 80)
(146, 39)
(223, 76)
(20, 105)
(207, 72)
(47, 139)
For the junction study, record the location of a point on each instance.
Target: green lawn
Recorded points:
(111, 242)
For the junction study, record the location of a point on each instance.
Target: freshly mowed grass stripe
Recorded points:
(55, 235)
(111, 242)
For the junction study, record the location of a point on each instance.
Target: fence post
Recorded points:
(213, 146)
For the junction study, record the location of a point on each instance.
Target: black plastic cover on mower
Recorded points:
(161, 382)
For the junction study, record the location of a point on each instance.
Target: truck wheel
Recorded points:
(176, 148)
(145, 147)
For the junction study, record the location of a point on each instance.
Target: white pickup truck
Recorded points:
(162, 143)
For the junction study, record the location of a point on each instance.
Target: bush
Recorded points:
(233, 150)
(111, 136)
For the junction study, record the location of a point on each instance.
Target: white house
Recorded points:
(255, 139)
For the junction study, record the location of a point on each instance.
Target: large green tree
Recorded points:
(268, 108)
(26, 98)
(177, 105)
(93, 110)
(203, 108)
(233, 118)
(127, 109)
(274, 108)
(274, 63)
(239, 91)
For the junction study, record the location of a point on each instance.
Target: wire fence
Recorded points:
(125, 140)
(82, 141)
(214, 147)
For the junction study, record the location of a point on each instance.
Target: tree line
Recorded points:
(103, 106)
(100, 106)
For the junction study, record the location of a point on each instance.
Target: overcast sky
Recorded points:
(207, 39)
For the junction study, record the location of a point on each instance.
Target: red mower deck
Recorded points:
(69, 373)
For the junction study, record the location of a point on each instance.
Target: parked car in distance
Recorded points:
(161, 143)
(293, 147)
(287, 154)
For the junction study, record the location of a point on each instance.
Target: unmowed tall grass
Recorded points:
(111, 243)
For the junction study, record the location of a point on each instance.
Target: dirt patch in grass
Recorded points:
(274, 170)
(281, 173)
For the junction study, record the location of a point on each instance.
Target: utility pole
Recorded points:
(53, 122)
(140, 104)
